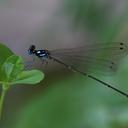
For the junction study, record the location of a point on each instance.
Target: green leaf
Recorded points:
(29, 77)
(5, 52)
(11, 68)
(12, 72)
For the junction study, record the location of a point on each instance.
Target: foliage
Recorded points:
(12, 72)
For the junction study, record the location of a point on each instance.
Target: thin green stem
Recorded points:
(2, 101)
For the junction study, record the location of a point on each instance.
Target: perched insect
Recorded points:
(87, 58)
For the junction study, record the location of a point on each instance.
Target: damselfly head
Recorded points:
(31, 49)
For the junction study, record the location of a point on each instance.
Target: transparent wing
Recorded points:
(98, 57)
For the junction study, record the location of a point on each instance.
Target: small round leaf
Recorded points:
(29, 77)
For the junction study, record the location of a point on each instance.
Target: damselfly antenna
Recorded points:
(76, 59)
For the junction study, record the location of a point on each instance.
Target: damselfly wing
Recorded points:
(97, 58)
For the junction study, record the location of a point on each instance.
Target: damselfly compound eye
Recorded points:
(31, 50)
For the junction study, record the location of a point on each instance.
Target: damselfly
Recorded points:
(100, 57)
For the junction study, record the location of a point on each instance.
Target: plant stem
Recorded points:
(2, 101)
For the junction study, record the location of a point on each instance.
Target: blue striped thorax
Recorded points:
(42, 53)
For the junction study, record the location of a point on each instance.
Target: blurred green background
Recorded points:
(64, 99)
